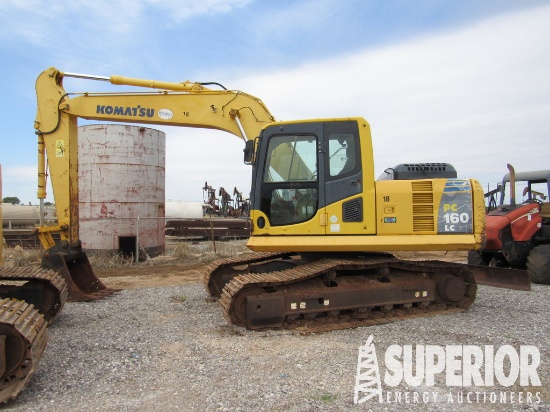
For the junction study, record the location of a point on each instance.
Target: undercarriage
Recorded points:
(317, 293)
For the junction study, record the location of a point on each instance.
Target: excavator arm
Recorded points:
(177, 104)
(184, 104)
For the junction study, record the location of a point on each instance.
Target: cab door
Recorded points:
(343, 178)
(290, 186)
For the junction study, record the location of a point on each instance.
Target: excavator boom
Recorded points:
(184, 104)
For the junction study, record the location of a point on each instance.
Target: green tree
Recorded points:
(14, 200)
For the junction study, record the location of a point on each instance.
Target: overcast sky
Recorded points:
(464, 82)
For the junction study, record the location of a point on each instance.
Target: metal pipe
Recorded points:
(512, 184)
(41, 193)
(137, 241)
(155, 84)
(41, 213)
(130, 81)
(87, 76)
(245, 138)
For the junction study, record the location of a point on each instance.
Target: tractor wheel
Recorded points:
(538, 264)
(475, 258)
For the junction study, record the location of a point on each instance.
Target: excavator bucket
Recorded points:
(501, 277)
(81, 280)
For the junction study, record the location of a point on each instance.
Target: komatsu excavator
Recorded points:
(323, 226)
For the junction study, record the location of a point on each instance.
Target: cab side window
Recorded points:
(341, 154)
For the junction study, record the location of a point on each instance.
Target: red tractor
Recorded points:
(518, 234)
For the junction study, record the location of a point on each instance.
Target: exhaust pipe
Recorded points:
(512, 184)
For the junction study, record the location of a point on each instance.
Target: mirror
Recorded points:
(249, 152)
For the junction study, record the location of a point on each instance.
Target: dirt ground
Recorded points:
(177, 272)
(132, 277)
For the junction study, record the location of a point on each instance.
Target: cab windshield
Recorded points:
(290, 194)
(291, 159)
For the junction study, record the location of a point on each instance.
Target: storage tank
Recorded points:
(121, 188)
(19, 215)
(183, 210)
(25, 216)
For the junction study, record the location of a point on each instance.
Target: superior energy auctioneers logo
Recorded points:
(451, 374)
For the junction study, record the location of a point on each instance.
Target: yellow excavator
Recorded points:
(323, 227)
(322, 224)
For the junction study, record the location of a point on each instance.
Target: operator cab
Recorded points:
(303, 167)
(534, 187)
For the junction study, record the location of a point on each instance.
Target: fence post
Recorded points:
(213, 237)
(137, 241)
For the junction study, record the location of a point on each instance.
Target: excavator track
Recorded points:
(339, 293)
(23, 338)
(220, 272)
(31, 299)
(43, 288)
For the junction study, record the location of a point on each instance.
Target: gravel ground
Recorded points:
(169, 349)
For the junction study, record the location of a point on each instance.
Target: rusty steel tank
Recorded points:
(121, 188)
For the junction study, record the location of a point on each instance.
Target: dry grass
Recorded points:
(204, 252)
(20, 257)
(403, 255)
(177, 252)
(180, 252)
(109, 260)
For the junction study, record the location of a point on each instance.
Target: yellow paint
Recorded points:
(371, 243)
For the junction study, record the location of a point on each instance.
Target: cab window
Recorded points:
(290, 190)
(291, 159)
(341, 154)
